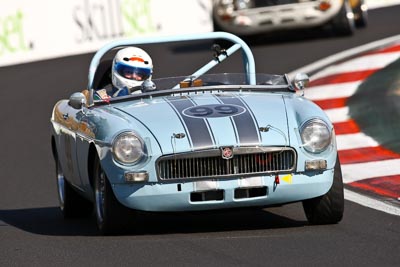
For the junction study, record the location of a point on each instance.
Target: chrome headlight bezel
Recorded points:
(243, 4)
(128, 148)
(316, 135)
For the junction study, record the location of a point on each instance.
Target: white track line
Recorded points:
(364, 63)
(371, 203)
(345, 54)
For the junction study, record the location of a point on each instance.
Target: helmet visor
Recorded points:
(131, 72)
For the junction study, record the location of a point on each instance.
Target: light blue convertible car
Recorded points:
(203, 141)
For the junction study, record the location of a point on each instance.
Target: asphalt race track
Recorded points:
(33, 232)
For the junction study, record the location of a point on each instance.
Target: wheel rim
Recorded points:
(60, 186)
(100, 188)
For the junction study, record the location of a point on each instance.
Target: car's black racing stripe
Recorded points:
(246, 124)
(197, 129)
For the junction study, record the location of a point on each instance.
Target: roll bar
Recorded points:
(247, 55)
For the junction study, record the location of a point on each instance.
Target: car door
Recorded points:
(68, 119)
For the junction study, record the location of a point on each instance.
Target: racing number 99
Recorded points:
(226, 110)
(212, 111)
(201, 111)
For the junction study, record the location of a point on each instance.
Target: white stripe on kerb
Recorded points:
(354, 141)
(360, 171)
(338, 114)
(330, 91)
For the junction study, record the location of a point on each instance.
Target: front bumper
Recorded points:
(223, 193)
(271, 18)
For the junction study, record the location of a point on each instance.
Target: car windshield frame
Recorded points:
(220, 82)
(219, 79)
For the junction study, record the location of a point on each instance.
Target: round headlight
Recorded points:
(315, 136)
(243, 4)
(127, 148)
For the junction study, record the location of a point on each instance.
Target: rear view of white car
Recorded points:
(249, 17)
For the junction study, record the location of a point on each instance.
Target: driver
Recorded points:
(131, 67)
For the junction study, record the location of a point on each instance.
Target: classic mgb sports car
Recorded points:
(202, 141)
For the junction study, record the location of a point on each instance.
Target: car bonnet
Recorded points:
(201, 121)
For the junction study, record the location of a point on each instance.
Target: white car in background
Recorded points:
(249, 17)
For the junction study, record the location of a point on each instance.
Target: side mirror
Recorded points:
(301, 81)
(148, 86)
(77, 100)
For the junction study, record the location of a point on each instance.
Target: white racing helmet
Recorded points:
(131, 66)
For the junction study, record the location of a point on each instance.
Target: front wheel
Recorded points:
(343, 23)
(361, 14)
(328, 208)
(111, 216)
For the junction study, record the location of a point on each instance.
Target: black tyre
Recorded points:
(111, 216)
(360, 15)
(328, 208)
(342, 24)
(72, 204)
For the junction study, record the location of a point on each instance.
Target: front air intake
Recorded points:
(210, 164)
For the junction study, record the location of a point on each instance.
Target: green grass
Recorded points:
(376, 106)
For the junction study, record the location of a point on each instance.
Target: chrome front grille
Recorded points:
(210, 164)
(264, 3)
